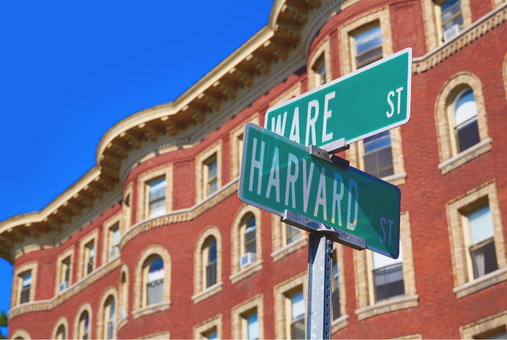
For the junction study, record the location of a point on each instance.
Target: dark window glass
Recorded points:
(484, 258)
(368, 47)
(335, 298)
(388, 282)
(211, 267)
(250, 243)
(378, 158)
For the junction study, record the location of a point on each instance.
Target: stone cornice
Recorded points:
(47, 305)
(465, 37)
(182, 215)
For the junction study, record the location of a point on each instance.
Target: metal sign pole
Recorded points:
(320, 263)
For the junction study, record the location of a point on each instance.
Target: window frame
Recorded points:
(247, 308)
(144, 181)
(207, 169)
(107, 244)
(127, 203)
(280, 246)
(92, 236)
(200, 291)
(201, 169)
(59, 267)
(282, 292)
(207, 326)
(485, 327)
(17, 283)
(320, 57)
(85, 307)
(102, 312)
(455, 209)
(235, 146)
(62, 321)
(123, 297)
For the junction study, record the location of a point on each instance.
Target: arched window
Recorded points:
(154, 280)
(466, 130)
(248, 243)
(84, 326)
(109, 317)
(60, 333)
(209, 261)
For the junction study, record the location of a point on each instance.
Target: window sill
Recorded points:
(483, 282)
(388, 306)
(465, 156)
(246, 272)
(396, 179)
(208, 292)
(290, 248)
(341, 322)
(154, 308)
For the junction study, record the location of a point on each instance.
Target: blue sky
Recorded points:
(69, 70)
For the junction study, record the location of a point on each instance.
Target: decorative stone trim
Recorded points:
(62, 321)
(410, 337)
(356, 157)
(165, 171)
(85, 306)
(290, 248)
(246, 272)
(347, 63)
(183, 215)
(431, 26)
(48, 305)
(20, 333)
(460, 262)
(341, 322)
(59, 260)
(291, 93)
(202, 328)
(198, 275)
(159, 335)
(481, 283)
(140, 277)
(484, 327)
(235, 136)
(208, 292)
(121, 323)
(92, 236)
(363, 267)
(444, 121)
(324, 49)
(200, 168)
(153, 308)
(243, 309)
(126, 204)
(118, 218)
(110, 291)
(464, 38)
(17, 283)
(279, 239)
(505, 75)
(386, 306)
(466, 156)
(497, 3)
(236, 236)
(281, 293)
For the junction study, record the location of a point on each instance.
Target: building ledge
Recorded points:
(387, 306)
(208, 292)
(154, 308)
(465, 156)
(290, 248)
(122, 322)
(246, 272)
(396, 179)
(481, 283)
(341, 322)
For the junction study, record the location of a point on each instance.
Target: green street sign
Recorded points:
(373, 99)
(278, 174)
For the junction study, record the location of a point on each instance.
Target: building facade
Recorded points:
(153, 242)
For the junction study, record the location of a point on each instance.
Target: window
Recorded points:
(292, 233)
(251, 326)
(236, 145)
(378, 158)
(466, 130)
(123, 307)
(319, 67)
(211, 179)
(449, 18)
(154, 281)
(476, 237)
(209, 261)
(127, 210)
(320, 71)
(211, 334)
(65, 275)
(84, 326)
(156, 197)
(209, 329)
(249, 232)
(368, 45)
(89, 257)
(490, 327)
(60, 333)
(335, 295)
(481, 243)
(109, 315)
(387, 277)
(247, 319)
(64, 270)
(26, 282)
(297, 316)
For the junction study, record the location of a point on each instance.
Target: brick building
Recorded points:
(153, 241)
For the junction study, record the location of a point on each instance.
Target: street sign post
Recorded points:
(373, 99)
(282, 177)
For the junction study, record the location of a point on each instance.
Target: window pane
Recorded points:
(297, 305)
(27, 280)
(379, 163)
(157, 189)
(379, 141)
(465, 107)
(250, 243)
(116, 236)
(212, 169)
(92, 250)
(212, 252)
(502, 335)
(380, 261)
(111, 310)
(451, 14)
(297, 329)
(212, 186)
(252, 326)
(110, 329)
(468, 134)
(388, 282)
(155, 292)
(335, 303)
(293, 234)
(368, 47)
(211, 274)
(157, 208)
(156, 271)
(212, 336)
(484, 258)
(480, 224)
